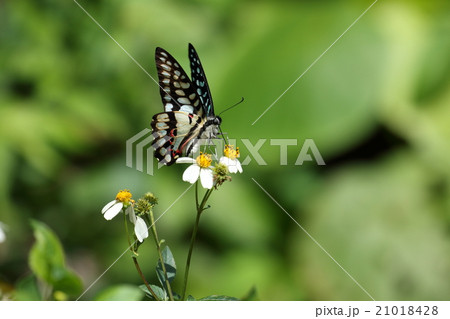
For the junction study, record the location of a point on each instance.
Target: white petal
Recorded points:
(191, 174)
(233, 165)
(232, 168)
(140, 229)
(225, 161)
(239, 166)
(2, 235)
(185, 160)
(206, 177)
(108, 206)
(131, 214)
(113, 211)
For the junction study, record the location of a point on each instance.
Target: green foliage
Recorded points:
(47, 262)
(46, 255)
(405, 210)
(168, 270)
(218, 298)
(376, 104)
(251, 295)
(171, 268)
(27, 290)
(120, 293)
(160, 293)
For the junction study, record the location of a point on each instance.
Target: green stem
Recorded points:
(200, 209)
(196, 195)
(131, 246)
(136, 263)
(158, 247)
(138, 268)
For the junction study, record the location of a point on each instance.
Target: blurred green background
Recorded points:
(377, 105)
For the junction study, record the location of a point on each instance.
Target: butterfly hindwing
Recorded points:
(174, 133)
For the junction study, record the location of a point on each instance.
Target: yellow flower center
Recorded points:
(230, 152)
(204, 160)
(124, 196)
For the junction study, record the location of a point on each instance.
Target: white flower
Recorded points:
(2, 232)
(201, 167)
(130, 212)
(114, 207)
(230, 160)
(140, 227)
(123, 199)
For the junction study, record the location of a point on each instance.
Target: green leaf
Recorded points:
(219, 298)
(121, 293)
(190, 298)
(67, 281)
(171, 268)
(46, 260)
(176, 296)
(251, 295)
(27, 290)
(46, 255)
(160, 293)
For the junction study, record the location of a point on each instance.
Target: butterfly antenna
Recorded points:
(236, 104)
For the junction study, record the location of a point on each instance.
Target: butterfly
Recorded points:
(189, 110)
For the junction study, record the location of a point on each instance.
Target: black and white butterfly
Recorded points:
(189, 111)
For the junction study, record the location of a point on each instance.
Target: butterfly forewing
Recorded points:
(176, 89)
(199, 79)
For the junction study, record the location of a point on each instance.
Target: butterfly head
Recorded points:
(216, 120)
(211, 127)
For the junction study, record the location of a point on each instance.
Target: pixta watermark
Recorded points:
(139, 152)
